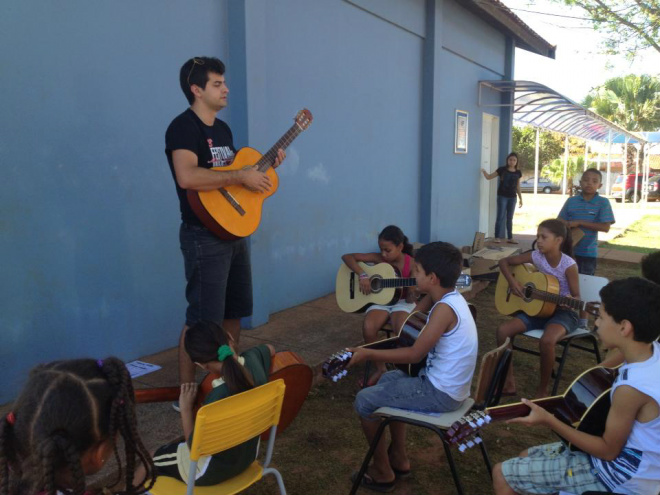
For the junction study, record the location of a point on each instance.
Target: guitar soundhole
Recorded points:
(376, 284)
(529, 290)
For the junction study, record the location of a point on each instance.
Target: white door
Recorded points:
(490, 132)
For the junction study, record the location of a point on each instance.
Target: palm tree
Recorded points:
(631, 101)
(555, 171)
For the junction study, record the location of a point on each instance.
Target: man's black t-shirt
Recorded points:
(508, 185)
(213, 145)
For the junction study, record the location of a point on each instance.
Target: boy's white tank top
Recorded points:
(636, 470)
(451, 362)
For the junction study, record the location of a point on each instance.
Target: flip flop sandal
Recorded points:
(399, 473)
(370, 484)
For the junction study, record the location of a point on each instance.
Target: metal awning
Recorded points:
(539, 106)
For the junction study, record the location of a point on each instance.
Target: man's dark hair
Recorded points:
(593, 171)
(651, 267)
(634, 299)
(196, 71)
(443, 259)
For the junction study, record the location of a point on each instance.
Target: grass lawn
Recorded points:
(324, 445)
(641, 236)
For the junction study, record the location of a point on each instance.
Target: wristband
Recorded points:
(583, 323)
(363, 275)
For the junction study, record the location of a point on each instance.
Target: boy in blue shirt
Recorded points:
(592, 213)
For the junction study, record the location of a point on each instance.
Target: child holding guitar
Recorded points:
(553, 256)
(396, 250)
(449, 340)
(213, 349)
(626, 457)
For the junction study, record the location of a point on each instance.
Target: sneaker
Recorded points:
(175, 406)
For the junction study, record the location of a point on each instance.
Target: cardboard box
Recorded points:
(483, 263)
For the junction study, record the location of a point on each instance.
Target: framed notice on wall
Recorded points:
(461, 142)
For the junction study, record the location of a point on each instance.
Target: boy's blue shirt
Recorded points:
(596, 210)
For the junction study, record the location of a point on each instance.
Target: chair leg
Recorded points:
(484, 453)
(278, 477)
(562, 361)
(452, 466)
(596, 349)
(367, 458)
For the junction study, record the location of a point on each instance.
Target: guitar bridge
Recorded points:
(232, 201)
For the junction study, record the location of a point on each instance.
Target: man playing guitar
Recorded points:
(218, 272)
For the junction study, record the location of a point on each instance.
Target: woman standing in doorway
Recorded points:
(507, 189)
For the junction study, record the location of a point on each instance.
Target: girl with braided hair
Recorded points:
(64, 426)
(213, 350)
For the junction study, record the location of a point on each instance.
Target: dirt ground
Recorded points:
(324, 445)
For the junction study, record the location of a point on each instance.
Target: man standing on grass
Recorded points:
(592, 213)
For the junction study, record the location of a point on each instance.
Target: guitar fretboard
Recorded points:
(388, 283)
(268, 158)
(557, 299)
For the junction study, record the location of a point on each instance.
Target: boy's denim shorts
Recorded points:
(397, 389)
(567, 318)
(218, 275)
(552, 468)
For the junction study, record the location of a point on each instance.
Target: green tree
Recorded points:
(629, 26)
(555, 171)
(631, 101)
(551, 146)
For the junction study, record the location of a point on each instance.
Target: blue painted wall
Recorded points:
(89, 219)
(89, 216)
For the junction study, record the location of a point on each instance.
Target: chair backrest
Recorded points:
(492, 374)
(590, 286)
(232, 421)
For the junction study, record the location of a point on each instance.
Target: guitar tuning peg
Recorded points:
(488, 419)
(462, 448)
(477, 440)
(470, 444)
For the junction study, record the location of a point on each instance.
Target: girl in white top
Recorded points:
(552, 257)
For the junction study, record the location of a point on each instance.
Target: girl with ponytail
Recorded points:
(213, 350)
(553, 256)
(64, 426)
(396, 250)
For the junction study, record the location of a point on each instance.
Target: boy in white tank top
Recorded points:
(626, 458)
(449, 343)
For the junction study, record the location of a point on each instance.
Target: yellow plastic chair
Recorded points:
(225, 424)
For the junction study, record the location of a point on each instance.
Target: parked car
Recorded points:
(544, 185)
(618, 189)
(654, 188)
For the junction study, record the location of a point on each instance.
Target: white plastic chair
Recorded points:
(590, 287)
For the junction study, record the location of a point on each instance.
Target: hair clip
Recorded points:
(11, 418)
(99, 363)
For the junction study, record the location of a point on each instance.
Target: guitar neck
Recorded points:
(518, 410)
(394, 283)
(542, 295)
(268, 158)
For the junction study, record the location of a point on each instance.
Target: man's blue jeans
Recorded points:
(505, 209)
